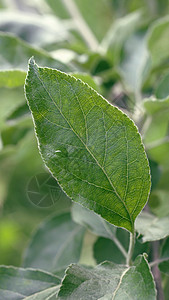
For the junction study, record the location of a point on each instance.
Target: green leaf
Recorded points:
(105, 249)
(87, 79)
(48, 294)
(109, 281)
(159, 197)
(12, 78)
(137, 283)
(93, 222)
(11, 99)
(158, 42)
(19, 283)
(101, 10)
(162, 90)
(156, 136)
(164, 258)
(134, 66)
(151, 227)
(33, 28)
(14, 54)
(55, 244)
(92, 148)
(119, 32)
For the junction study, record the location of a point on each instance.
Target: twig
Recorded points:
(156, 271)
(81, 24)
(158, 261)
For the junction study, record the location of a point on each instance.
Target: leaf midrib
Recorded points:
(36, 73)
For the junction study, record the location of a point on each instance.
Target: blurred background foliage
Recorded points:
(120, 48)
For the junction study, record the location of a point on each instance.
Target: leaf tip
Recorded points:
(31, 61)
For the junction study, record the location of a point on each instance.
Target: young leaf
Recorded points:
(55, 244)
(92, 148)
(109, 281)
(18, 283)
(151, 227)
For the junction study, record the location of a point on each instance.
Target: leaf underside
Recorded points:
(109, 281)
(93, 149)
(19, 283)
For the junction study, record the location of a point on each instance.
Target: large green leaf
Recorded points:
(18, 283)
(92, 148)
(109, 281)
(55, 244)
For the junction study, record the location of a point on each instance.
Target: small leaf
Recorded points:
(109, 281)
(135, 65)
(156, 136)
(14, 54)
(93, 222)
(158, 42)
(119, 32)
(18, 283)
(151, 227)
(91, 147)
(55, 244)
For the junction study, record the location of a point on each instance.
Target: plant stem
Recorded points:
(158, 261)
(156, 271)
(81, 24)
(131, 249)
